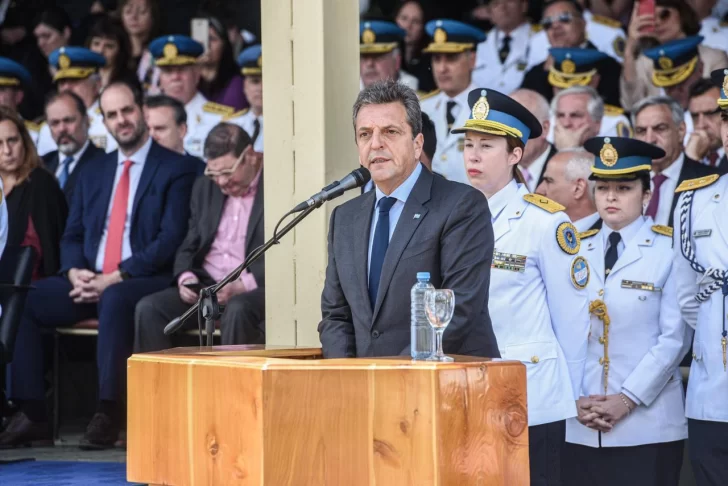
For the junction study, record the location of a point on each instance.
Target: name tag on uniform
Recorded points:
(702, 233)
(631, 284)
(509, 261)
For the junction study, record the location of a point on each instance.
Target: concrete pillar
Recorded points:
(310, 82)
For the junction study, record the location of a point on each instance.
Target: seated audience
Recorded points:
(225, 226)
(128, 216)
(166, 119)
(539, 150)
(108, 38)
(705, 143)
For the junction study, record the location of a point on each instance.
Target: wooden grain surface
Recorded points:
(199, 419)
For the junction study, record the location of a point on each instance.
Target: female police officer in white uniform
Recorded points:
(538, 301)
(631, 425)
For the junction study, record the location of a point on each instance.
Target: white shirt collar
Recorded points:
(138, 157)
(402, 192)
(462, 98)
(585, 223)
(627, 233)
(673, 172)
(197, 101)
(500, 199)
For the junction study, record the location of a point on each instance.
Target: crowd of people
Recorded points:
(574, 157)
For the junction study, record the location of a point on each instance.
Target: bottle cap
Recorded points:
(423, 275)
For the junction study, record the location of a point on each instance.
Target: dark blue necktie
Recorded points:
(611, 257)
(379, 246)
(63, 178)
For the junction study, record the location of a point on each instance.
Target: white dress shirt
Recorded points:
(135, 174)
(74, 162)
(401, 194)
(667, 189)
(627, 234)
(587, 222)
(535, 170)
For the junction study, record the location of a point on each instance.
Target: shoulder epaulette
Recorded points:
(588, 233)
(613, 110)
(661, 229)
(544, 203)
(600, 19)
(700, 182)
(536, 28)
(217, 108)
(429, 95)
(34, 127)
(236, 114)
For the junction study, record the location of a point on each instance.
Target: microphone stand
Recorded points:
(207, 306)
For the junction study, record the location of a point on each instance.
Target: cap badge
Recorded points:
(170, 51)
(481, 108)
(440, 36)
(568, 66)
(608, 153)
(665, 62)
(368, 36)
(64, 62)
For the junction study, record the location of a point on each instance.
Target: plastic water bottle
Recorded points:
(421, 331)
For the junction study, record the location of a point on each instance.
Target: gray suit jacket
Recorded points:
(452, 239)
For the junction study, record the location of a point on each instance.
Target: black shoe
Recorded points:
(101, 433)
(22, 432)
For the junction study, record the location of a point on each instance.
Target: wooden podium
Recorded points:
(271, 416)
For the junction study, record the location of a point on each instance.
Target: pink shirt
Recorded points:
(228, 247)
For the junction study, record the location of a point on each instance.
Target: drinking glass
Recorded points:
(439, 307)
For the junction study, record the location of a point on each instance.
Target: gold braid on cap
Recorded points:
(560, 79)
(493, 128)
(671, 77)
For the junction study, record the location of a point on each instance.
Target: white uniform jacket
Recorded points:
(245, 119)
(529, 47)
(644, 342)
(448, 160)
(539, 316)
(705, 227)
(202, 116)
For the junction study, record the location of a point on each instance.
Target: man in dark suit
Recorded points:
(565, 27)
(68, 121)
(539, 150)
(412, 222)
(128, 216)
(659, 120)
(226, 224)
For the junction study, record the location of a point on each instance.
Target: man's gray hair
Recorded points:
(678, 114)
(595, 105)
(579, 166)
(225, 138)
(383, 92)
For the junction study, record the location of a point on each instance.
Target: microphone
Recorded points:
(356, 178)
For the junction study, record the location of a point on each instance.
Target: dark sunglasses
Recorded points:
(564, 18)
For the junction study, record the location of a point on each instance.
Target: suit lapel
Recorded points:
(361, 244)
(150, 168)
(632, 251)
(256, 213)
(406, 227)
(88, 155)
(107, 187)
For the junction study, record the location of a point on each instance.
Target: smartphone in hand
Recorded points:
(647, 7)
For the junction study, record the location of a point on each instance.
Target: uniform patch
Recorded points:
(580, 273)
(567, 238)
(619, 45)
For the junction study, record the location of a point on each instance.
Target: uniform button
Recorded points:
(601, 361)
(375, 334)
(534, 359)
(601, 292)
(601, 339)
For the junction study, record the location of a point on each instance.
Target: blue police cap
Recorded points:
(175, 50)
(573, 66)
(620, 158)
(13, 74)
(720, 79)
(674, 61)
(379, 37)
(251, 61)
(75, 62)
(497, 114)
(451, 36)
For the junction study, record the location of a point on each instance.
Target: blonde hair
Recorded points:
(31, 159)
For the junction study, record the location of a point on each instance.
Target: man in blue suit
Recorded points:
(128, 217)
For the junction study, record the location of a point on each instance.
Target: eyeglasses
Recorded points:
(212, 174)
(563, 18)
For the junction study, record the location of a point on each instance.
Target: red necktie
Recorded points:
(657, 180)
(117, 220)
(713, 158)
